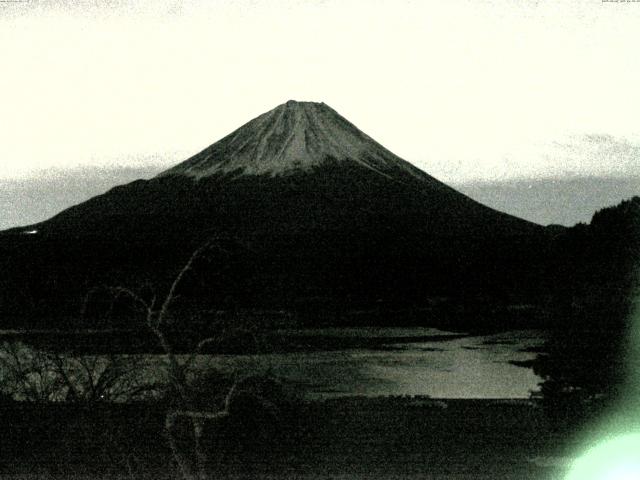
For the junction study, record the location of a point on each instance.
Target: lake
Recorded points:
(386, 361)
(445, 367)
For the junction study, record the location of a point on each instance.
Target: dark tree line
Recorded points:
(596, 290)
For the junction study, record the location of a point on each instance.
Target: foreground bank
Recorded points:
(341, 438)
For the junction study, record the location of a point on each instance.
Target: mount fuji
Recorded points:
(299, 166)
(317, 210)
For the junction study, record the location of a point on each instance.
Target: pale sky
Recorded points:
(463, 89)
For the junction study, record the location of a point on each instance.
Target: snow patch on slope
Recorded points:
(295, 136)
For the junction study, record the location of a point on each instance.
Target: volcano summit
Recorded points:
(293, 137)
(317, 209)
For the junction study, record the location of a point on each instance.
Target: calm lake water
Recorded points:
(444, 365)
(468, 367)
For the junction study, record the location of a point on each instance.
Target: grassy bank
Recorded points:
(350, 438)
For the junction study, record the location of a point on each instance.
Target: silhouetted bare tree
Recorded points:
(182, 369)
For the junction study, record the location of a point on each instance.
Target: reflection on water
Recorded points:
(469, 367)
(441, 366)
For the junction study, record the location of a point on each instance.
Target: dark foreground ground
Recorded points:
(333, 439)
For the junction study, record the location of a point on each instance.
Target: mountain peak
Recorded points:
(295, 136)
(298, 103)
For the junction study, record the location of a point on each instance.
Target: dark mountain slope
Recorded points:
(296, 167)
(316, 211)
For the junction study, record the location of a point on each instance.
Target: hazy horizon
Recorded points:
(564, 201)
